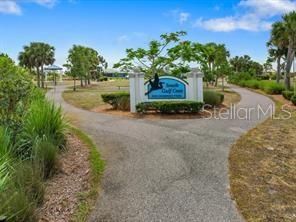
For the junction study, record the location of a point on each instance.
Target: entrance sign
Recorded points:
(165, 87)
(162, 88)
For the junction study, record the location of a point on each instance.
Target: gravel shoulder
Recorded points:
(165, 170)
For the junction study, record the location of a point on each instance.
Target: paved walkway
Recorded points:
(165, 170)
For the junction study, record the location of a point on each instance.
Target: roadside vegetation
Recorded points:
(32, 133)
(33, 139)
(262, 169)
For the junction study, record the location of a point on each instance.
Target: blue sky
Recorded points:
(111, 26)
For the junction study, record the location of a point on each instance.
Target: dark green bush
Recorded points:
(271, 87)
(287, 94)
(170, 106)
(293, 99)
(101, 79)
(15, 88)
(213, 98)
(119, 100)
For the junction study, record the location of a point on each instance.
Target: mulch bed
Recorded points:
(63, 189)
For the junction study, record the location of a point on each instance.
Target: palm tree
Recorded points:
(289, 22)
(277, 46)
(36, 56)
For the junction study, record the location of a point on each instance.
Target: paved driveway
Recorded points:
(165, 170)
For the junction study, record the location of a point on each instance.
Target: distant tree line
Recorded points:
(171, 55)
(83, 63)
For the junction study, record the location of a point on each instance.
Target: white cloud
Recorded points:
(227, 24)
(14, 6)
(183, 17)
(47, 3)
(122, 39)
(178, 15)
(9, 7)
(255, 18)
(269, 7)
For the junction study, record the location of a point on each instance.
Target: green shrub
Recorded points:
(271, 87)
(44, 157)
(170, 106)
(101, 79)
(213, 98)
(119, 100)
(252, 83)
(5, 141)
(43, 121)
(28, 178)
(293, 99)
(15, 88)
(235, 78)
(287, 94)
(23, 193)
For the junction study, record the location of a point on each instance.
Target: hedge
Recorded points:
(270, 87)
(119, 100)
(287, 94)
(170, 106)
(213, 98)
(293, 99)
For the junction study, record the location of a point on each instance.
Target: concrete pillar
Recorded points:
(195, 85)
(137, 91)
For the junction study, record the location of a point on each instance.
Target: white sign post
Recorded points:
(195, 84)
(136, 90)
(168, 88)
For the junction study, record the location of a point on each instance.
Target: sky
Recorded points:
(111, 26)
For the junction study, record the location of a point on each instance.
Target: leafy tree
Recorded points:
(244, 64)
(36, 56)
(83, 62)
(160, 57)
(15, 86)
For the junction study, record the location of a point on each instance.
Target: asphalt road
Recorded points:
(166, 170)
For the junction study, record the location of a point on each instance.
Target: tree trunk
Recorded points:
(290, 58)
(223, 83)
(74, 87)
(81, 81)
(42, 77)
(55, 78)
(38, 77)
(216, 81)
(278, 74)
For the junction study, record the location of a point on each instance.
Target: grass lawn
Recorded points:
(230, 97)
(262, 167)
(90, 97)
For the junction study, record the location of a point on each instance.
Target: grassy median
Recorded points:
(262, 166)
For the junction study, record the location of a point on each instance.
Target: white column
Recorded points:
(200, 87)
(195, 82)
(136, 81)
